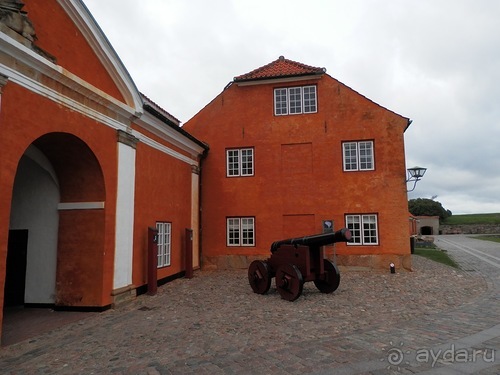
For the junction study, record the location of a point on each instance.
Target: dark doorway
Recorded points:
(15, 276)
(426, 231)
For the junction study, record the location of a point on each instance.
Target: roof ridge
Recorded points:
(281, 67)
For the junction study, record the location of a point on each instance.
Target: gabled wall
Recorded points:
(64, 41)
(299, 179)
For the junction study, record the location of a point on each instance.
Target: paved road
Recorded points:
(435, 320)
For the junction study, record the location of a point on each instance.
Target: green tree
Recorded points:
(427, 207)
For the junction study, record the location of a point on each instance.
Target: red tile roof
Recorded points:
(280, 68)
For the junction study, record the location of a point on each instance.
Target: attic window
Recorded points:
(295, 100)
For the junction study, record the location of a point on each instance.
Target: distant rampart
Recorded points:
(470, 229)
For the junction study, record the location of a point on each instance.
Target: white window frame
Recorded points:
(240, 162)
(358, 156)
(280, 102)
(164, 243)
(364, 229)
(240, 231)
(295, 100)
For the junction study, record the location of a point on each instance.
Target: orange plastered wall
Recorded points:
(40, 116)
(57, 34)
(163, 194)
(298, 166)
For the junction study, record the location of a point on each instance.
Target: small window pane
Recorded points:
(247, 162)
(350, 156)
(309, 99)
(365, 155)
(233, 158)
(247, 230)
(233, 232)
(370, 229)
(295, 100)
(164, 244)
(280, 102)
(353, 224)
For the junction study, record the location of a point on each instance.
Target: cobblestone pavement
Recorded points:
(435, 320)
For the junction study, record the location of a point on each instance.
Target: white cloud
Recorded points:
(435, 62)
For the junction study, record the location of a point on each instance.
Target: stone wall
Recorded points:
(470, 229)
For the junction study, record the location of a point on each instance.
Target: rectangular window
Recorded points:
(295, 94)
(164, 241)
(364, 229)
(309, 99)
(280, 102)
(295, 100)
(239, 162)
(358, 156)
(240, 231)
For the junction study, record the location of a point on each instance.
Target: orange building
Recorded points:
(87, 165)
(293, 150)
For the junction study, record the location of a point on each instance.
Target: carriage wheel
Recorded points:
(289, 282)
(259, 276)
(331, 279)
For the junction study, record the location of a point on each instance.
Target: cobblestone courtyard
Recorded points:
(215, 324)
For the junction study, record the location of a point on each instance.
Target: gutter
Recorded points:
(408, 125)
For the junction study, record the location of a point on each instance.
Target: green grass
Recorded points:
(488, 237)
(493, 218)
(436, 255)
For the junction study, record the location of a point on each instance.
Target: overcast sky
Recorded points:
(434, 61)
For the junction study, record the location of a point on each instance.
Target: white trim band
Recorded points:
(80, 206)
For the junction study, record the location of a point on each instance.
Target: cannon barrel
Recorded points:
(322, 239)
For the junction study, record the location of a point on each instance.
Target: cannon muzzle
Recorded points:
(316, 240)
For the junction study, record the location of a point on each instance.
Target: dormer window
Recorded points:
(295, 100)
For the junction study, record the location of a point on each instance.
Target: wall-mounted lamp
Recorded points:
(414, 175)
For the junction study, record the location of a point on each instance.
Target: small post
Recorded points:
(152, 261)
(189, 253)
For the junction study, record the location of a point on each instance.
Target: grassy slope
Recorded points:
(473, 219)
(437, 256)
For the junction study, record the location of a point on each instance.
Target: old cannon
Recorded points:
(295, 261)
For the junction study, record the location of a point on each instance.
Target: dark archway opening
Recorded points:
(426, 231)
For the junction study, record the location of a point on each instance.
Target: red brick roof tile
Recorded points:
(279, 69)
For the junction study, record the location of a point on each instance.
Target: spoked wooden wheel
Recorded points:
(330, 280)
(289, 282)
(259, 276)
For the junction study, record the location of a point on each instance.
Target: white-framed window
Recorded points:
(280, 102)
(364, 229)
(358, 156)
(295, 100)
(239, 162)
(240, 231)
(164, 241)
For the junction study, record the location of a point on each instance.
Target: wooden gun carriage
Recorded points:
(295, 261)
